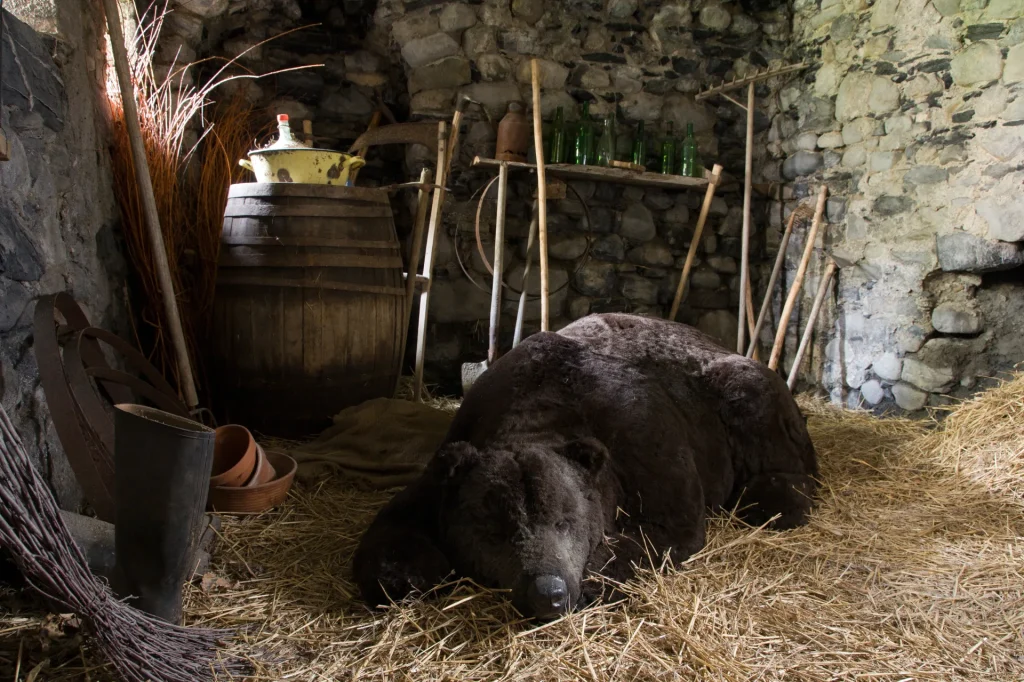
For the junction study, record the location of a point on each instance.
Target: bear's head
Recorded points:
(524, 518)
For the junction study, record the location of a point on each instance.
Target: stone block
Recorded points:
(873, 392)
(609, 248)
(1013, 71)
(1004, 143)
(889, 205)
(653, 254)
(207, 9)
(855, 157)
(859, 130)
(979, 63)
(450, 72)
(493, 67)
(888, 366)
(963, 252)
(862, 93)
(715, 17)
(458, 301)
(657, 200)
(411, 27)
(723, 264)
(926, 377)
(346, 102)
(427, 49)
(677, 215)
(596, 279)
(432, 102)
(643, 106)
(807, 142)
(494, 96)
(479, 40)
(1004, 215)
(1004, 9)
(831, 140)
(567, 247)
(955, 318)
(908, 397)
(879, 162)
(457, 17)
(637, 223)
(621, 9)
(946, 8)
(682, 109)
(639, 289)
(802, 163)
(552, 74)
(529, 11)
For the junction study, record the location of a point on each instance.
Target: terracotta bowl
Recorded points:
(256, 498)
(234, 456)
(264, 471)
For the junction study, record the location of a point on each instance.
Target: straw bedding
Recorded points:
(910, 569)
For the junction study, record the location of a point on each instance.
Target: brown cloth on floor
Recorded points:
(382, 443)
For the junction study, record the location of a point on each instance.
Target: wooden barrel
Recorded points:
(308, 309)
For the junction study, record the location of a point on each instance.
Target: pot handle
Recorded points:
(245, 163)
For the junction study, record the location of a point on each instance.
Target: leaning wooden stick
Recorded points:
(794, 291)
(741, 328)
(709, 195)
(750, 319)
(420, 221)
(542, 197)
(780, 258)
(428, 259)
(521, 314)
(498, 267)
(815, 309)
(142, 177)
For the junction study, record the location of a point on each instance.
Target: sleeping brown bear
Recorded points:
(575, 446)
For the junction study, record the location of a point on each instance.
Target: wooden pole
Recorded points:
(805, 341)
(428, 260)
(542, 198)
(419, 222)
(156, 237)
(709, 195)
(521, 313)
(794, 291)
(741, 328)
(779, 260)
(498, 268)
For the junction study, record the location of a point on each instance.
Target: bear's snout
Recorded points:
(547, 597)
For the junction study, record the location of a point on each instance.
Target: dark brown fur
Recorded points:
(574, 445)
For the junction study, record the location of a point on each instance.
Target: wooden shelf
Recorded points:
(602, 174)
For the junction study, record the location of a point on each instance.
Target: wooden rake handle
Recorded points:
(709, 195)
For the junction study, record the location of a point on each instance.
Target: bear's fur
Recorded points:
(574, 446)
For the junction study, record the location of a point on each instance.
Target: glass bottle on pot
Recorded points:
(584, 141)
(557, 147)
(668, 153)
(688, 154)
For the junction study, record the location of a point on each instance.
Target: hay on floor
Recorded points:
(910, 569)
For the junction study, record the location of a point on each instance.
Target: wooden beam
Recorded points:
(738, 83)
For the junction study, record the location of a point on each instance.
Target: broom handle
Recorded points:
(750, 319)
(499, 266)
(709, 195)
(423, 201)
(156, 237)
(542, 197)
(794, 291)
(771, 283)
(818, 299)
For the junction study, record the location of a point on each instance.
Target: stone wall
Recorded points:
(58, 217)
(913, 118)
(635, 61)
(639, 60)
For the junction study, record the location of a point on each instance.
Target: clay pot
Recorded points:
(264, 471)
(514, 135)
(234, 456)
(256, 498)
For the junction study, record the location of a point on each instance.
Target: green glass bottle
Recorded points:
(639, 146)
(688, 155)
(668, 153)
(557, 153)
(606, 147)
(584, 138)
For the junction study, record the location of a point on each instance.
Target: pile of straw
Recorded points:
(910, 569)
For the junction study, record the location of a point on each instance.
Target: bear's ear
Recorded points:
(590, 453)
(453, 456)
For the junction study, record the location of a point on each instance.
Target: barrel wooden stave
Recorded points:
(307, 317)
